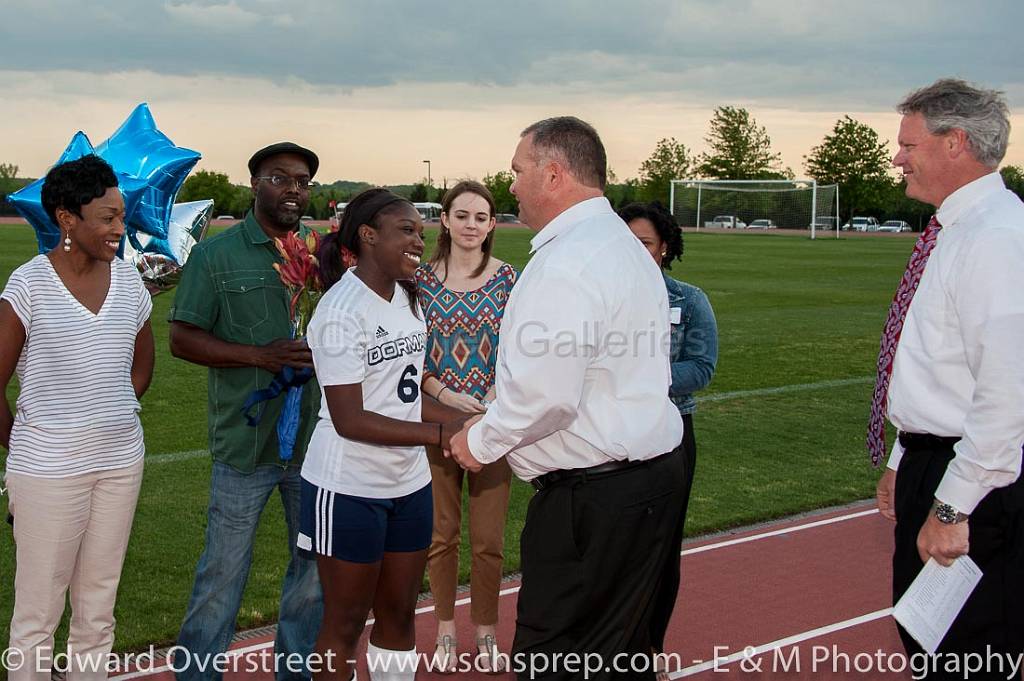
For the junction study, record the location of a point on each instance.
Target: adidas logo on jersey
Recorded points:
(381, 333)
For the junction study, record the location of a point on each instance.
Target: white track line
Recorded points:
(711, 547)
(753, 651)
(775, 533)
(796, 638)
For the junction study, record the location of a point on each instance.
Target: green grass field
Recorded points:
(791, 312)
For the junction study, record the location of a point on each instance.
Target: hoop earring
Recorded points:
(67, 243)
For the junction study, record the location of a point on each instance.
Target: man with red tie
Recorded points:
(951, 368)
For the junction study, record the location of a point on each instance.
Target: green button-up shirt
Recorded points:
(229, 288)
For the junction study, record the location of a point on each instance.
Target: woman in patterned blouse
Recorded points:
(463, 290)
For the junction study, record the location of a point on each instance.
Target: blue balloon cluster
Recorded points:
(150, 169)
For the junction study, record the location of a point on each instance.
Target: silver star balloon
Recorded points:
(160, 261)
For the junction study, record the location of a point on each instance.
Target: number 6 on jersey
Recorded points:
(408, 387)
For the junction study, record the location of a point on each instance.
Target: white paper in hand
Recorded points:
(933, 601)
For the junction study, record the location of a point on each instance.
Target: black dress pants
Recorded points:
(992, 620)
(665, 601)
(594, 553)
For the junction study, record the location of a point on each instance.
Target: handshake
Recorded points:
(455, 441)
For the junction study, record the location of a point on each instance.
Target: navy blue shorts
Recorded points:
(360, 529)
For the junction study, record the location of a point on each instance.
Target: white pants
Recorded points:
(69, 533)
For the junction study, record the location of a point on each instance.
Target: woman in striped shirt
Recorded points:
(76, 331)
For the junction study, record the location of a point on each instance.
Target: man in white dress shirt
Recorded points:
(582, 412)
(957, 389)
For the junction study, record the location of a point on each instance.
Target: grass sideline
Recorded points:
(790, 311)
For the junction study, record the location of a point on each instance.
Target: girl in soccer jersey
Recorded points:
(366, 497)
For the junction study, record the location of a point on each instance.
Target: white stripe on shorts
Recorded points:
(319, 521)
(330, 524)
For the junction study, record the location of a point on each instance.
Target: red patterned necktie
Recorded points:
(891, 337)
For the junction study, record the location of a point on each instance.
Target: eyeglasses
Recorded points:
(303, 183)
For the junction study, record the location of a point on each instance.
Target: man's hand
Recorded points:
(460, 449)
(885, 494)
(942, 542)
(283, 352)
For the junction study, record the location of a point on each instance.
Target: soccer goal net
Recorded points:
(756, 204)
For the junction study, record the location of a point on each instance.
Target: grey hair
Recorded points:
(981, 113)
(576, 143)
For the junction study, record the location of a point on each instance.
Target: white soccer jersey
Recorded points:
(358, 337)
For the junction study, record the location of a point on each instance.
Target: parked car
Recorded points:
(726, 222)
(823, 223)
(225, 217)
(894, 226)
(763, 223)
(508, 219)
(306, 218)
(861, 224)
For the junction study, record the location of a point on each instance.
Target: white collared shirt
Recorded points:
(959, 365)
(583, 356)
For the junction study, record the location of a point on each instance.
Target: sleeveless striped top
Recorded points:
(76, 410)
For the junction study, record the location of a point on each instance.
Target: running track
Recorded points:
(812, 590)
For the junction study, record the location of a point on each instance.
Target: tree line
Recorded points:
(852, 156)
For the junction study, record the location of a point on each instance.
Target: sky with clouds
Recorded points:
(377, 87)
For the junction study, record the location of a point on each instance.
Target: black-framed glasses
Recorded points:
(303, 183)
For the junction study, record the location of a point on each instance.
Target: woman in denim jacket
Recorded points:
(693, 354)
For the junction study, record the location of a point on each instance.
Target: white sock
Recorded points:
(391, 665)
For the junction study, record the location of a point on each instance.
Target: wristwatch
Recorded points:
(947, 514)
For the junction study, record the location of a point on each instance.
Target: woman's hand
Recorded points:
(461, 401)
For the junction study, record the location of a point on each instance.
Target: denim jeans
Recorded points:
(236, 502)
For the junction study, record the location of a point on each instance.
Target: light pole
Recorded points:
(427, 161)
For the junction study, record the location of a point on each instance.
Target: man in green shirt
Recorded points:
(231, 314)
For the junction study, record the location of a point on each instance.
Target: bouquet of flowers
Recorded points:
(300, 273)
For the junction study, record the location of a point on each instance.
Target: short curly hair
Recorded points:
(73, 184)
(664, 223)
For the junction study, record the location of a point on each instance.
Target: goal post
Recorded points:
(756, 204)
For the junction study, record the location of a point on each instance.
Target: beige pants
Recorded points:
(69, 533)
(488, 504)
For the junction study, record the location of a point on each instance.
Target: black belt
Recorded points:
(542, 482)
(926, 441)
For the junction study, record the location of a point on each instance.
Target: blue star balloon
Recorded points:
(29, 201)
(141, 151)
